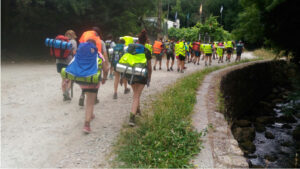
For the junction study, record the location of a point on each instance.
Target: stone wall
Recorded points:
(243, 89)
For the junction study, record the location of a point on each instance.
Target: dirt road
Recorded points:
(40, 130)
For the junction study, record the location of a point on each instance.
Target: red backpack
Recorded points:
(60, 53)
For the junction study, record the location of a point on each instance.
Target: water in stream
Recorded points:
(279, 152)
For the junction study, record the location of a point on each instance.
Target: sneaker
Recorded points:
(177, 70)
(154, 68)
(115, 96)
(66, 96)
(205, 64)
(81, 100)
(168, 70)
(131, 120)
(181, 71)
(86, 128)
(97, 101)
(126, 91)
(160, 68)
(198, 63)
(171, 68)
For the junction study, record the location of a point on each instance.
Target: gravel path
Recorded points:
(39, 130)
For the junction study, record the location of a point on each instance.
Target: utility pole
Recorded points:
(159, 6)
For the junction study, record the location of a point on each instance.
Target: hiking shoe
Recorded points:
(126, 91)
(138, 111)
(131, 120)
(86, 128)
(66, 96)
(160, 68)
(81, 100)
(168, 70)
(177, 70)
(171, 68)
(115, 96)
(97, 101)
(154, 68)
(198, 63)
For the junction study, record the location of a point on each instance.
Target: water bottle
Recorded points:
(129, 70)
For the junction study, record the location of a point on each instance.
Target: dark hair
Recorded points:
(91, 41)
(143, 37)
(122, 41)
(97, 30)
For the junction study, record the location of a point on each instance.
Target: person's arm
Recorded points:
(105, 63)
(149, 67)
(74, 47)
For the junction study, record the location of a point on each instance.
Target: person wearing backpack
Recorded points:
(118, 51)
(63, 62)
(239, 50)
(158, 52)
(84, 70)
(110, 44)
(95, 34)
(137, 58)
(170, 54)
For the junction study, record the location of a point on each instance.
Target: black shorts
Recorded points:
(59, 66)
(136, 79)
(158, 56)
(197, 53)
(170, 55)
(229, 50)
(238, 53)
(90, 90)
(208, 54)
(181, 58)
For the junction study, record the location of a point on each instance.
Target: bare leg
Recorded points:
(90, 101)
(137, 91)
(116, 82)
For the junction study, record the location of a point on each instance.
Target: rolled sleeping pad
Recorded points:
(94, 79)
(129, 70)
(59, 44)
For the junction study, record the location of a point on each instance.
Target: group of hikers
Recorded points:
(191, 52)
(128, 60)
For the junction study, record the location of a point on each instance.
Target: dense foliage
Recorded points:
(28, 22)
(210, 28)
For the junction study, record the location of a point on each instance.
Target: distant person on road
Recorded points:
(208, 50)
(170, 54)
(196, 52)
(239, 50)
(158, 52)
(180, 54)
(229, 50)
(220, 52)
(62, 63)
(118, 52)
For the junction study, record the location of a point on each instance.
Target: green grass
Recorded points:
(164, 136)
(264, 53)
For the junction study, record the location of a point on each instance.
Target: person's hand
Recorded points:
(104, 77)
(105, 66)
